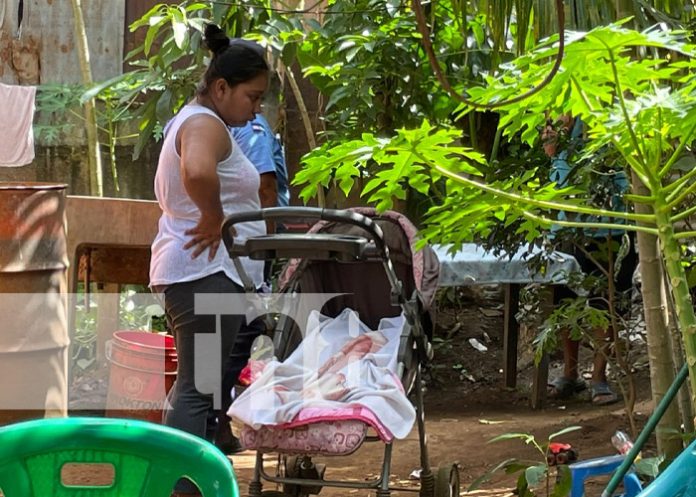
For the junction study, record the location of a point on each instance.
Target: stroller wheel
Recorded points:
(303, 468)
(292, 466)
(292, 470)
(447, 481)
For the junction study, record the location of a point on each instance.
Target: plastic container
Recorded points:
(621, 442)
(142, 370)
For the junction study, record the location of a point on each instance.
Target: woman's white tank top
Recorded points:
(239, 191)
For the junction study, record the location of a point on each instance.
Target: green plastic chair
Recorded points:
(147, 458)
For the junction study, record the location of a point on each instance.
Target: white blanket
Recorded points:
(341, 362)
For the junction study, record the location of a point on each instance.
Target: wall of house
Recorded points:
(37, 47)
(41, 50)
(37, 43)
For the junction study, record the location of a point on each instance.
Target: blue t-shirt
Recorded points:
(560, 171)
(263, 149)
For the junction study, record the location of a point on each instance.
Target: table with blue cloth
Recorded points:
(473, 265)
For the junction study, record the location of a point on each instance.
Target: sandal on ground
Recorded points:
(565, 388)
(602, 394)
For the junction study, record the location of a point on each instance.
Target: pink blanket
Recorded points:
(311, 415)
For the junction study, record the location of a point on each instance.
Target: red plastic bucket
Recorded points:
(142, 370)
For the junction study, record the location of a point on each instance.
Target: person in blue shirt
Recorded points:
(263, 148)
(593, 252)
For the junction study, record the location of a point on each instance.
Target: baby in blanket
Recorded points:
(341, 363)
(330, 383)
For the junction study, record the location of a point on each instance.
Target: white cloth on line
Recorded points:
(339, 362)
(16, 132)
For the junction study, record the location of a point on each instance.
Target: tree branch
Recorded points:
(434, 64)
(574, 224)
(642, 218)
(677, 152)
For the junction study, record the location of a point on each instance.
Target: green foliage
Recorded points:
(370, 69)
(59, 106)
(55, 103)
(573, 316)
(532, 474)
(388, 165)
(618, 97)
(415, 158)
(596, 65)
(170, 62)
(649, 466)
(366, 59)
(136, 312)
(84, 339)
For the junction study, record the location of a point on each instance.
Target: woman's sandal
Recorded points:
(602, 395)
(564, 388)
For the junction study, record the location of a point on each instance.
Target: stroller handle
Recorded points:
(287, 213)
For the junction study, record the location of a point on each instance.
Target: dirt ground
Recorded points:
(465, 406)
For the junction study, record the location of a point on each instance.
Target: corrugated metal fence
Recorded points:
(37, 44)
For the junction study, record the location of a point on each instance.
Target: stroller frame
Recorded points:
(414, 348)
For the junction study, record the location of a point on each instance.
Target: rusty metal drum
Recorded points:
(33, 301)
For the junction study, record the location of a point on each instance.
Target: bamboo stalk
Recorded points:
(96, 179)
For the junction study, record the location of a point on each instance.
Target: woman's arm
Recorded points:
(202, 142)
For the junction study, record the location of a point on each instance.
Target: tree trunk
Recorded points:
(685, 408)
(307, 122)
(676, 277)
(96, 180)
(662, 370)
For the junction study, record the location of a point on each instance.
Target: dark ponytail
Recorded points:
(215, 38)
(236, 61)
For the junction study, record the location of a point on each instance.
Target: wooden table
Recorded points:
(109, 244)
(472, 265)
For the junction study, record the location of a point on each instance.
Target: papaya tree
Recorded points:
(643, 109)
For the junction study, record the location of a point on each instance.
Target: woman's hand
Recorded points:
(205, 235)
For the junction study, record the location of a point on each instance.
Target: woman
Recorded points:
(202, 176)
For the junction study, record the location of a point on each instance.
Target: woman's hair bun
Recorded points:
(215, 38)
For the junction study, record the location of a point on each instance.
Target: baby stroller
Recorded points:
(369, 259)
